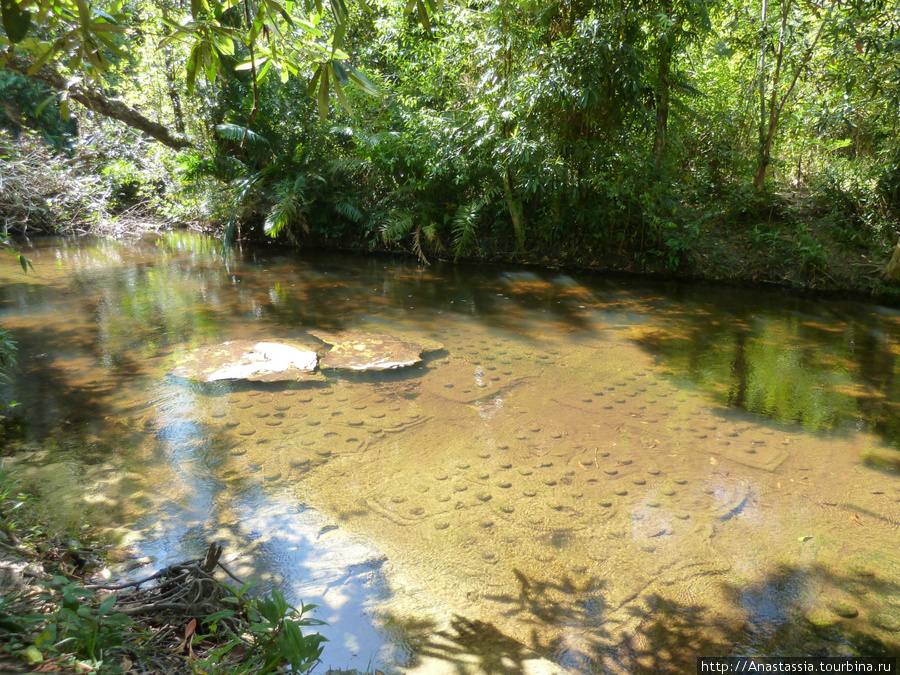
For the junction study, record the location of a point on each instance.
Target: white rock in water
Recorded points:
(266, 357)
(291, 356)
(243, 360)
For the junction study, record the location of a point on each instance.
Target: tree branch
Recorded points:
(99, 103)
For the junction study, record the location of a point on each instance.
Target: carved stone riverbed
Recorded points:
(592, 474)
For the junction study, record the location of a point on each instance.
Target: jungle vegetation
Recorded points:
(753, 139)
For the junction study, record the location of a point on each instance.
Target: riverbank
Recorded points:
(65, 606)
(805, 239)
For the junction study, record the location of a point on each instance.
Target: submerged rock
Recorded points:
(249, 360)
(361, 350)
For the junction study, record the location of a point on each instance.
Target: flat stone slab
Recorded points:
(362, 350)
(249, 360)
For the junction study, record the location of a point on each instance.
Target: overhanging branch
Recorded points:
(96, 101)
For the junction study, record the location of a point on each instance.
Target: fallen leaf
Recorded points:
(827, 503)
(855, 519)
(805, 537)
(713, 461)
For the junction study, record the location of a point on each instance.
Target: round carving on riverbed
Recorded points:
(249, 360)
(362, 350)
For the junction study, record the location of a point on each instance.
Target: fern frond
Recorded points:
(417, 245)
(349, 166)
(225, 168)
(464, 226)
(404, 189)
(433, 237)
(349, 211)
(398, 226)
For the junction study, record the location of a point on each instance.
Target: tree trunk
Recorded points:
(516, 212)
(663, 87)
(175, 98)
(96, 101)
(662, 103)
(776, 105)
(891, 272)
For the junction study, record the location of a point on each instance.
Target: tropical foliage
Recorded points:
(549, 129)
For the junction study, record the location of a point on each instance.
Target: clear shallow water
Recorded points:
(617, 476)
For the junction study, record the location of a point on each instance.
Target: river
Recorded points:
(589, 475)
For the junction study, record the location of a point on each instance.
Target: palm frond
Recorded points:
(289, 206)
(239, 134)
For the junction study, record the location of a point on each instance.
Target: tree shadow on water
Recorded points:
(804, 610)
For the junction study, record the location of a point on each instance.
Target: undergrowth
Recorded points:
(180, 620)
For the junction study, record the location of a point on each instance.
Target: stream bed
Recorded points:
(590, 475)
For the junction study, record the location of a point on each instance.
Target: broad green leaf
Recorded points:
(261, 74)
(221, 614)
(259, 62)
(101, 13)
(337, 39)
(340, 72)
(310, 27)
(362, 81)
(46, 56)
(339, 9)
(64, 110)
(111, 46)
(423, 16)
(280, 602)
(277, 7)
(44, 104)
(223, 43)
(285, 74)
(198, 7)
(314, 83)
(16, 21)
(106, 605)
(84, 14)
(191, 68)
(341, 96)
(106, 28)
(323, 95)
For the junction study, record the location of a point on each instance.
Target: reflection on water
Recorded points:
(615, 477)
(825, 371)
